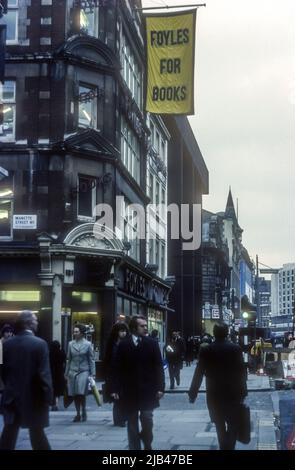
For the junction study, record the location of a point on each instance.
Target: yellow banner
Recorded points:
(170, 44)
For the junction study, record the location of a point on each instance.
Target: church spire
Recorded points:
(230, 208)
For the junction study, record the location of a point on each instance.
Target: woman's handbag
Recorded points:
(95, 392)
(244, 424)
(67, 398)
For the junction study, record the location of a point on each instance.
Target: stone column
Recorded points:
(56, 307)
(45, 277)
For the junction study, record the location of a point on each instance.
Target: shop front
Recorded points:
(15, 299)
(140, 292)
(82, 307)
(83, 280)
(19, 285)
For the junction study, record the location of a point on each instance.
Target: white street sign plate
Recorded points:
(24, 222)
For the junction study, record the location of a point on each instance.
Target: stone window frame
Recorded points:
(92, 179)
(131, 229)
(10, 199)
(7, 105)
(95, 14)
(131, 71)
(130, 149)
(93, 103)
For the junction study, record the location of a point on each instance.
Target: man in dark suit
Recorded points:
(138, 380)
(27, 385)
(175, 352)
(226, 384)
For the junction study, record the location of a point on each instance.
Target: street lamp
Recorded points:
(245, 315)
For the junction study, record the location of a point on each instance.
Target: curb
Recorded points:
(204, 391)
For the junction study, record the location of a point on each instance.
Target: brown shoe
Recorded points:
(77, 419)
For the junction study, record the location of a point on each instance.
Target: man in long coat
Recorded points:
(175, 351)
(138, 380)
(27, 385)
(226, 384)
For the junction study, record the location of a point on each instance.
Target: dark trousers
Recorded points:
(174, 373)
(37, 436)
(146, 434)
(226, 428)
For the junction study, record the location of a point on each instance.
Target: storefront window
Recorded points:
(134, 308)
(127, 310)
(6, 206)
(83, 296)
(141, 309)
(120, 310)
(19, 296)
(13, 302)
(92, 321)
(156, 322)
(85, 310)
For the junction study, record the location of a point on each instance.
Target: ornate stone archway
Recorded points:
(93, 235)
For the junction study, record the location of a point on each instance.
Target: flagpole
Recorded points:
(196, 5)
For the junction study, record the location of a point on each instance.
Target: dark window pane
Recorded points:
(85, 197)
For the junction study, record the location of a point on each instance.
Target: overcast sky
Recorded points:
(245, 117)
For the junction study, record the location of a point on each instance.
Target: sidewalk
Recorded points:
(173, 430)
(254, 382)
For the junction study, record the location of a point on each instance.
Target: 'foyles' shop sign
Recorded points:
(24, 222)
(170, 44)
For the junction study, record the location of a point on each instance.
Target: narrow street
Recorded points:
(146, 194)
(178, 425)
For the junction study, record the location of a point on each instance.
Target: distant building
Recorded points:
(282, 298)
(286, 289)
(280, 324)
(216, 272)
(264, 301)
(188, 180)
(232, 235)
(275, 294)
(246, 275)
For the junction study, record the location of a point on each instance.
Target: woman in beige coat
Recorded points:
(79, 367)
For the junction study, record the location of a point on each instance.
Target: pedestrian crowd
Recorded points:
(33, 378)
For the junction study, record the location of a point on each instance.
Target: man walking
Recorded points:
(27, 385)
(226, 384)
(175, 351)
(138, 381)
